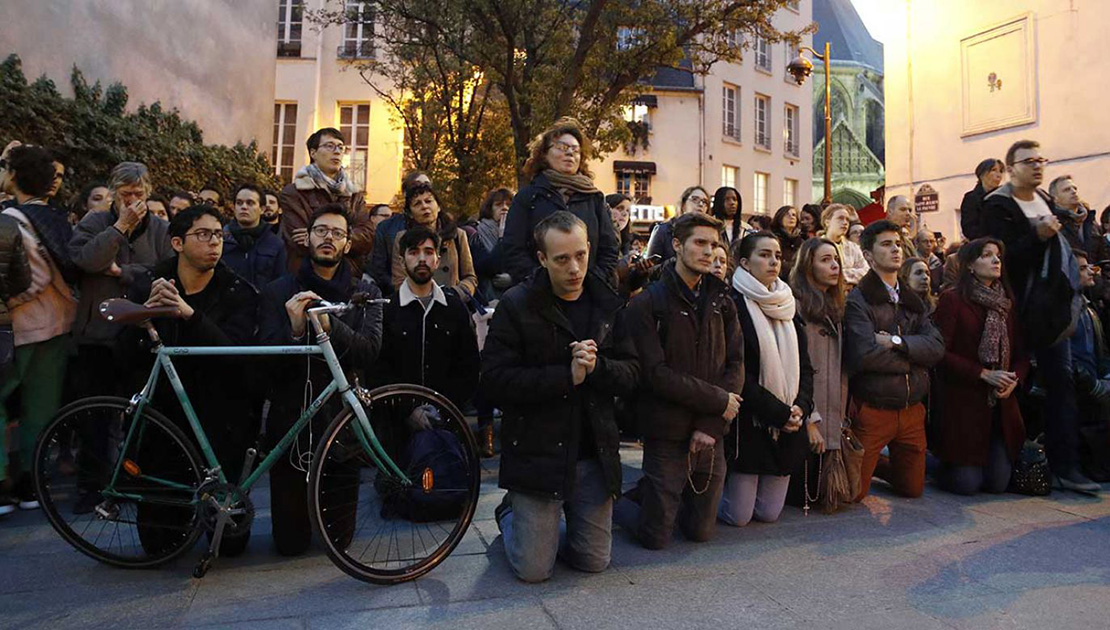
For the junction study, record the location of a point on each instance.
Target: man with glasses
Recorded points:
(251, 248)
(1044, 275)
(356, 336)
(324, 181)
(215, 307)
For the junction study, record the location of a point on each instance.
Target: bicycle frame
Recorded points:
(339, 384)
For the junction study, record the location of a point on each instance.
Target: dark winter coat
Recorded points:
(301, 198)
(690, 360)
(1004, 220)
(436, 348)
(971, 217)
(526, 372)
(15, 271)
(751, 449)
(538, 200)
(381, 258)
(882, 378)
(259, 264)
(965, 421)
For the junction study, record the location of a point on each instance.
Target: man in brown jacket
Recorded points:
(322, 182)
(692, 370)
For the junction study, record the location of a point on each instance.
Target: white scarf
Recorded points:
(772, 312)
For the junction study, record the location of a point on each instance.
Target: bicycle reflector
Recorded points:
(428, 480)
(131, 468)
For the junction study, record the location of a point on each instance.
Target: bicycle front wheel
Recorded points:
(119, 488)
(374, 527)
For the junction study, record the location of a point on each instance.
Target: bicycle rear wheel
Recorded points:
(147, 517)
(374, 528)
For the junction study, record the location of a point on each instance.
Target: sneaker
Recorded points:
(25, 492)
(502, 509)
(1076, 482)
(7, 504)
(87, 502)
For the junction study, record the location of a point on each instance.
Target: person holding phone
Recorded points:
(632, 271)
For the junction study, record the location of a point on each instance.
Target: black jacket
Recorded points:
(971, 218)
(751, 449)
(260, 263)
(540, 199)
(691, 358)
(380, 266)
(15, 271)
(1003, 219)
(882, 378)
(526, 372)
(437, 349)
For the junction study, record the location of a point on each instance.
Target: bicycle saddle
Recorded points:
(120, 311)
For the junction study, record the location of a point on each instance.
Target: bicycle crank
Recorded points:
(214, 498)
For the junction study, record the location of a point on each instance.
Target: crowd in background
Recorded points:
(762, 361)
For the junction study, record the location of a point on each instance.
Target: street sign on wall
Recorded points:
(926, 199)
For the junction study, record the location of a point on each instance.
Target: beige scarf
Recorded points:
(772, 312)
(575, 183)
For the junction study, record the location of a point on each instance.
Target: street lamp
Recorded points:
(801, 68)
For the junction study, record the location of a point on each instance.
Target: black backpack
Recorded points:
(436, 463)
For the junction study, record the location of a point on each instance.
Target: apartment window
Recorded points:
(629, 38)
(290, 23)
(358, 32)
(637, 186)
(730, 111)
(790, 130)
(728, 176)
(761, 192)
(789, 191)
(790, 53)
(762, 49)
(794, 5)
(735, 39)
(354, 123)
(285, 138)
(762, 121)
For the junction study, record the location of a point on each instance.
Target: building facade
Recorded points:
(747, 125)
(318, 85)
(974, 77)
(173, 52)
(857, 104)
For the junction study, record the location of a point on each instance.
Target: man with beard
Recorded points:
(428, 336)
(251, 248)
(356, 337)
(215, 307)
(271, 212)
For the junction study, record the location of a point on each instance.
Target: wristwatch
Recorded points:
(898, 342)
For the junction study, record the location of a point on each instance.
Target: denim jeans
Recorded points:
(1060, 415)
(753, 496)
(967, 480)
(673, 493)
(534, 533)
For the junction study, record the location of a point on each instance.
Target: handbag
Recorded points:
(841, 470)
(1031, 475)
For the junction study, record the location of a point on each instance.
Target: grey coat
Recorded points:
(830, 388)
(94, 247)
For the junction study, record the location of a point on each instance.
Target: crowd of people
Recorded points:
(761, 361)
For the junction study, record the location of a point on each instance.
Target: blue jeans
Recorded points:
(534, 534)
(1060, 414)
(967, 480)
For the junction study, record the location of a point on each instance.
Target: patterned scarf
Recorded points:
(994, 345)
(575, 183)
(341, 186)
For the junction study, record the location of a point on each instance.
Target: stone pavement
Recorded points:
(937, 562)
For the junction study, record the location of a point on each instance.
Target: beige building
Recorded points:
(318, 85)
(746, 125)
(175, 52)
(970, 77)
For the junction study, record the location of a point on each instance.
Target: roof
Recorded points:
(840, 25)
(680, 77)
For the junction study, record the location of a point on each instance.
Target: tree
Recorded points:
(588, 58)
(93, 132)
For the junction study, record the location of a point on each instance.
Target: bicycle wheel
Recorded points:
(373, 527)
(147, 517)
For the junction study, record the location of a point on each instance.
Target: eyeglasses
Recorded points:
(321, 231)
(700, 201)
(206, 236)
(1031, 162)
(335, 147)
(568, 149)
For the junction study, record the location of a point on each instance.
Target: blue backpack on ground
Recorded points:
(435, 462)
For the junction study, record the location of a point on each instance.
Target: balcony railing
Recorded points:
(356, 50)
(732, 131)
(289, 49)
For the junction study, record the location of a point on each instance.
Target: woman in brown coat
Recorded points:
(981, 429)
(456, 267)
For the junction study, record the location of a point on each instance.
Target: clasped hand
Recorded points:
(164, 293)
(583, 360)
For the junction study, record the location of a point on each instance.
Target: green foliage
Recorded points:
(93, 133)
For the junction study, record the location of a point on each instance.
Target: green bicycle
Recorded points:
(158, 489)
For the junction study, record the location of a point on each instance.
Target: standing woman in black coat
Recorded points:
(787, 228)
(989, 175)
(560, 180)
(767, 443)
